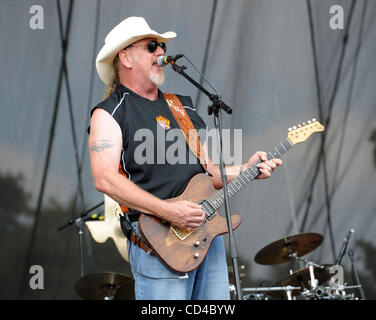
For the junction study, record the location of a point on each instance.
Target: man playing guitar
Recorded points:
(127, 64)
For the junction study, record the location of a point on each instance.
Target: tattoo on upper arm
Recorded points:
(100, 145)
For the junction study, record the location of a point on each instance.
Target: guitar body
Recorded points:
(183, 250)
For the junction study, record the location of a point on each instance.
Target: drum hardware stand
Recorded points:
(288, 289)
(289, 295)
(350, 253)
(292, 262)
(80, 223)
(310, 265)
(293, 256)
(111, 293)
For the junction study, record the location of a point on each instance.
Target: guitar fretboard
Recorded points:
(242, 180)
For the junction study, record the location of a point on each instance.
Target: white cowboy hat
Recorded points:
(128, 31)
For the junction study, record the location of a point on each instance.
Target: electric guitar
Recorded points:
(183, 250)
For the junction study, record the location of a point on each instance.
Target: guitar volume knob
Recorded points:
(196, 255)
(197, 243)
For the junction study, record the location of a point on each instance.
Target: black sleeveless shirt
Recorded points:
(162, 166)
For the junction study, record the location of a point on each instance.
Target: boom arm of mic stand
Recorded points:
(79, 221)
(217, 102)
(83, 215)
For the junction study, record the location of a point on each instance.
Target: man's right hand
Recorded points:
(185, 214)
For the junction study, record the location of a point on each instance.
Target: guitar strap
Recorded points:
(187, 127)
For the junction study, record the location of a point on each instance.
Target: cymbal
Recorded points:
(280, 250)
(301, 279)
(105, 286)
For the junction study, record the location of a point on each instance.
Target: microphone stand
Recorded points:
(79, 221)
(344, 247)
(215, 110)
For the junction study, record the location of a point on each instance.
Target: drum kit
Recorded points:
(310, 283)
(313, 282)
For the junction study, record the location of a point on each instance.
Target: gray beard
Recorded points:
(157, 79)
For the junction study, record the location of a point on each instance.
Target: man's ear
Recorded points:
(126, 58)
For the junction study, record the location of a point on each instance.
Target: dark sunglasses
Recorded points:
(152, 46)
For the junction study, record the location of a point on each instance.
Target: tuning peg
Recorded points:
(304, 123)
(294, 127)
(290, 129)
(309, 121)
(299, 125)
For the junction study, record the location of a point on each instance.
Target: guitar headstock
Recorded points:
(302, 132)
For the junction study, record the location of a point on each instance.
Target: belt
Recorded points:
(130, 234)
(135, 239)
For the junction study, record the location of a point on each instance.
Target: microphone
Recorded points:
(165, 60)
(344, 247)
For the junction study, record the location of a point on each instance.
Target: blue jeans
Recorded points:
(154, 281)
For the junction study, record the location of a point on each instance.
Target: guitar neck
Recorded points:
(242, 180)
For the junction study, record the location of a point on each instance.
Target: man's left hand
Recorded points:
(266, 167)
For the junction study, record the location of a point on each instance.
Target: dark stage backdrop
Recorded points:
(276, 63)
